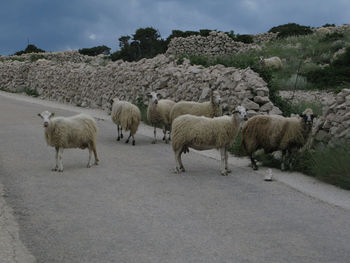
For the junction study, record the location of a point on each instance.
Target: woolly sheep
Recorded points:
(79, 131)
(126, 116)
(273, 62)
(203, 133)
(209, 109)
(158, 112)
(274, 132)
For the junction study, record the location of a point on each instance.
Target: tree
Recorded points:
(29, 49)
(146, 43)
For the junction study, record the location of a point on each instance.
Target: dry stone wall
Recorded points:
(92, 85)
(334, 126)
(216, 44)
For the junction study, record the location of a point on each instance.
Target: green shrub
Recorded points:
(143, 109)
(30, 49)
(335, 75)
(95, 51)
(31, 92)
(237, 149)
(329, 164)
(248, 39)
(35, 57)
(290, 29)
(332, 37)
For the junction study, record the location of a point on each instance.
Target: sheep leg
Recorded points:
(164, 134)
(179, 166)
(121, 132)
(254, 165)
(56, 166)
(165, 138)
(133, 139)
(226, 159)
(90, 155)
(60, 153)
(118, 133)
(155, 135)
(95, 154)
(283, 163)
(223, 161)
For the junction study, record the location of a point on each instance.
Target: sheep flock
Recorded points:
(189, 124)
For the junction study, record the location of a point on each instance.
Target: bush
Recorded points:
(30, 49)
(95, 51)
(237, 149)
(335, 75)
(290, 29)
(332, 37)
(248, 39)
(31, 92)
(143, 109)
(330, 164)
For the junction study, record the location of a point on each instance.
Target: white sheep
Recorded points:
(203, 133)
(126, 116)
(273, 62)
(209, 109)
(274, 132)
(158, 114)
(79, 131)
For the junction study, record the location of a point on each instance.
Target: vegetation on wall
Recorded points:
(95, 51)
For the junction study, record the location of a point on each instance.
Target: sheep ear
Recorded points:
(39, 114)
(52, 114)
(159, 96)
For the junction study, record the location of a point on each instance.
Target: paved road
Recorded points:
(133, 208)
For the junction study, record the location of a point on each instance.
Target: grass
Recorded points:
(331, 165)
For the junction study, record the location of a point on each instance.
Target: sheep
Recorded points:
(274, 132)
(127, 116)
(158, 112)
(209, 109)
(203, 133)
(79, 131)
(273, 62)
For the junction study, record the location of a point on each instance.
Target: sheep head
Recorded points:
(46, 116)
(215, 97)
(307, 117)
(154, 97)
(241, 112)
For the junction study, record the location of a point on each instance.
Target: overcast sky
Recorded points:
(55, 25)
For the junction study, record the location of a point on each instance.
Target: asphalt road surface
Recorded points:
(134, 208)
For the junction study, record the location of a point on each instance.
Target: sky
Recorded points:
(58, 25)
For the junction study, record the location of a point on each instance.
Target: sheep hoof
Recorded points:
(121, 136)
(163, 138)
(228, 171)
(154, 142)
(60, 170)
(118, 139)
(88, 165)
(224, 173)
(96, 162)
(255, 168)
(133, 143)
(127, 141)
